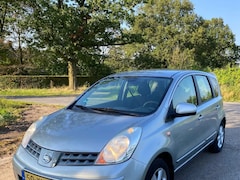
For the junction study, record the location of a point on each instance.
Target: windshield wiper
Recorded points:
(84, 107)
(115, 111)
(108, 110)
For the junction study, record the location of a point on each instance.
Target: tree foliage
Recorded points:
(214, 44)
(175, 37)
(97, 37)
(14, 33)
(76, 30)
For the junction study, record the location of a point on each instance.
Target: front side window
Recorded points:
(185, 92)
(204, 88)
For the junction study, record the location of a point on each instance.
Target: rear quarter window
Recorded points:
(215, 86)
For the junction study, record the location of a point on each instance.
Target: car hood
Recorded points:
(79, 131)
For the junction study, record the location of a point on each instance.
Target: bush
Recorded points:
(229, 80)
(43, 81)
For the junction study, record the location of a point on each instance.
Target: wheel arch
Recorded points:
(166, 156)
(168, 159)
(224, 121)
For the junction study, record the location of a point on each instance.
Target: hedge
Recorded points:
(41, 81)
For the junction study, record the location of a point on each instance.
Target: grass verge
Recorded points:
(62, 91)
(10, 111)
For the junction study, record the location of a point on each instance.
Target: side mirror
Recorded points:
(185, 109)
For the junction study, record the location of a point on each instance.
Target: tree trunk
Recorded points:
(72, 74)
(20, 49)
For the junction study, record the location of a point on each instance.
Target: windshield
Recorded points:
(125, 95)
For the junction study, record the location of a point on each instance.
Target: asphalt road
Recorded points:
(206, 166)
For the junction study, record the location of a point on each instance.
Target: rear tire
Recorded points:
(217, 145)
(159, 170)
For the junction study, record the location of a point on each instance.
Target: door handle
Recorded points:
(217, 107)
(200, 117)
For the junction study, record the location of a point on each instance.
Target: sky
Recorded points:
(228, 10)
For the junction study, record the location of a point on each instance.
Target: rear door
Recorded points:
(207, 108)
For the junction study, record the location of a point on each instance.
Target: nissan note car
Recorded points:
(138, 125)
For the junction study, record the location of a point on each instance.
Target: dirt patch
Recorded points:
(11, 136)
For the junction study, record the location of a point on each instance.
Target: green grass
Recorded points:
(41, 92)
(10, 111)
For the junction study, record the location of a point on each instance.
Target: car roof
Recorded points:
(159, 73)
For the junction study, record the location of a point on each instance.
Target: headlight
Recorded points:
(121, 147)
(28, 134)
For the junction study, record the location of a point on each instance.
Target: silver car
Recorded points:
(141, 125)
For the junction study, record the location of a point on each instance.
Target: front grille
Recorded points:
(66, 158)
(77, 159)
(34, 149)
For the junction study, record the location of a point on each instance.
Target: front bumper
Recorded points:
(129, 170)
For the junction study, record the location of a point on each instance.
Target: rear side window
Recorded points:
(204, 88)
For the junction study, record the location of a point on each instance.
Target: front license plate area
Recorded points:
(30, 176)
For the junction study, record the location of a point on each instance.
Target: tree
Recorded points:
(76, 30)
(175, 37)
(214, 44)
(6, 53)
(14, 29)
(5, 48)
(166, 26)
(18, 31)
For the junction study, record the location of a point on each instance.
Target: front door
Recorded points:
(186, 130)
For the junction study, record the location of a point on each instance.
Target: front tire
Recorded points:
(158, 170)
(217, 145)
